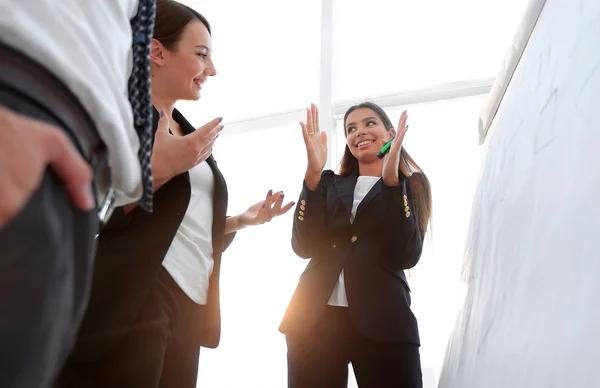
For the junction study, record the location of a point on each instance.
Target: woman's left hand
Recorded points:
(265, 211)
(391, 160)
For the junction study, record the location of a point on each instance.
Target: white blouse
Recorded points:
(364, 184)
(190, 257)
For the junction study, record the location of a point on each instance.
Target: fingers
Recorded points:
(268, 204)
(204, 151)
(309, 122)
(315, 116)
(205, 154)
(207, 133)
(402, 128)
(69, 166)
(304, 132)
(286, 208)
(277, 207)
(210, 125)
(307, 138)
(263, 213)
(272, 206)
(203, 140)
(211, 134)
(312, 119)
(402, 124)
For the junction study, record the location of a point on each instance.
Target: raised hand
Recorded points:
(392, 159)
(173, 155)
(316, 146)
(265, 211)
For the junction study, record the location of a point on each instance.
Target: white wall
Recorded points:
(532, 312)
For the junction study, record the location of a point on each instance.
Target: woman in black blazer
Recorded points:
(155, 294)
(360, 229)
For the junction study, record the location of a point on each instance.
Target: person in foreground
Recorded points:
(69, 140)
(360, 229)
(155, 298)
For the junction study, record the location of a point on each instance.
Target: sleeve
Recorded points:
(404, 243)
(309, 218)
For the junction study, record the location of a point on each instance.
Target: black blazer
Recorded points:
(373, 251)
(131, 249)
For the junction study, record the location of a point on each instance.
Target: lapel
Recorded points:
(345, 187)
(185, 125)
(220, 190)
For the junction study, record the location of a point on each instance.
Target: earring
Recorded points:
(406, 208)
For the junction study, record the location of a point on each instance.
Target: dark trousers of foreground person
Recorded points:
(47, 251)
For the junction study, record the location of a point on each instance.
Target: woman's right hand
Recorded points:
(173, 155)
(316, 147)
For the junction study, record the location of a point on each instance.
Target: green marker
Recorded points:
(384, 150)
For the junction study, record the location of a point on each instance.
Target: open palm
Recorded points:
(315, 141)
(391, 161)
(265, 211)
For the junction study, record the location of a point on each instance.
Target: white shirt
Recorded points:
(87, 45)
(364, 184)
(190, 257)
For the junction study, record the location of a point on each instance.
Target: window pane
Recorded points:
(267, 55)
(442, 139)
(390, 46)
(259, 271)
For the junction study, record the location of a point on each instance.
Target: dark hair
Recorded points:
(418, 184)
(171, 19)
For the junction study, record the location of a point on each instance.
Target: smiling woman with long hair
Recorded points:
(361, 229)
(155, 298)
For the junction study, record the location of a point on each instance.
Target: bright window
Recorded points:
(259, 271)
(387, 46)
(266, 54)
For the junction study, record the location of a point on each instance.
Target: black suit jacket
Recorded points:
(373, 251)
(131, 248)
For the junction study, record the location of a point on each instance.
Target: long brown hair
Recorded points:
(171, 19)
(418, 184)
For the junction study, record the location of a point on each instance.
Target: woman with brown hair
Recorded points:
(155, 297)
(360, 229)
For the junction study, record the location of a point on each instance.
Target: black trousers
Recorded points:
(320, 357)
(156, 350)
(46, 256)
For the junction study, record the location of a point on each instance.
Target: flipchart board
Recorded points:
(531, 317)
